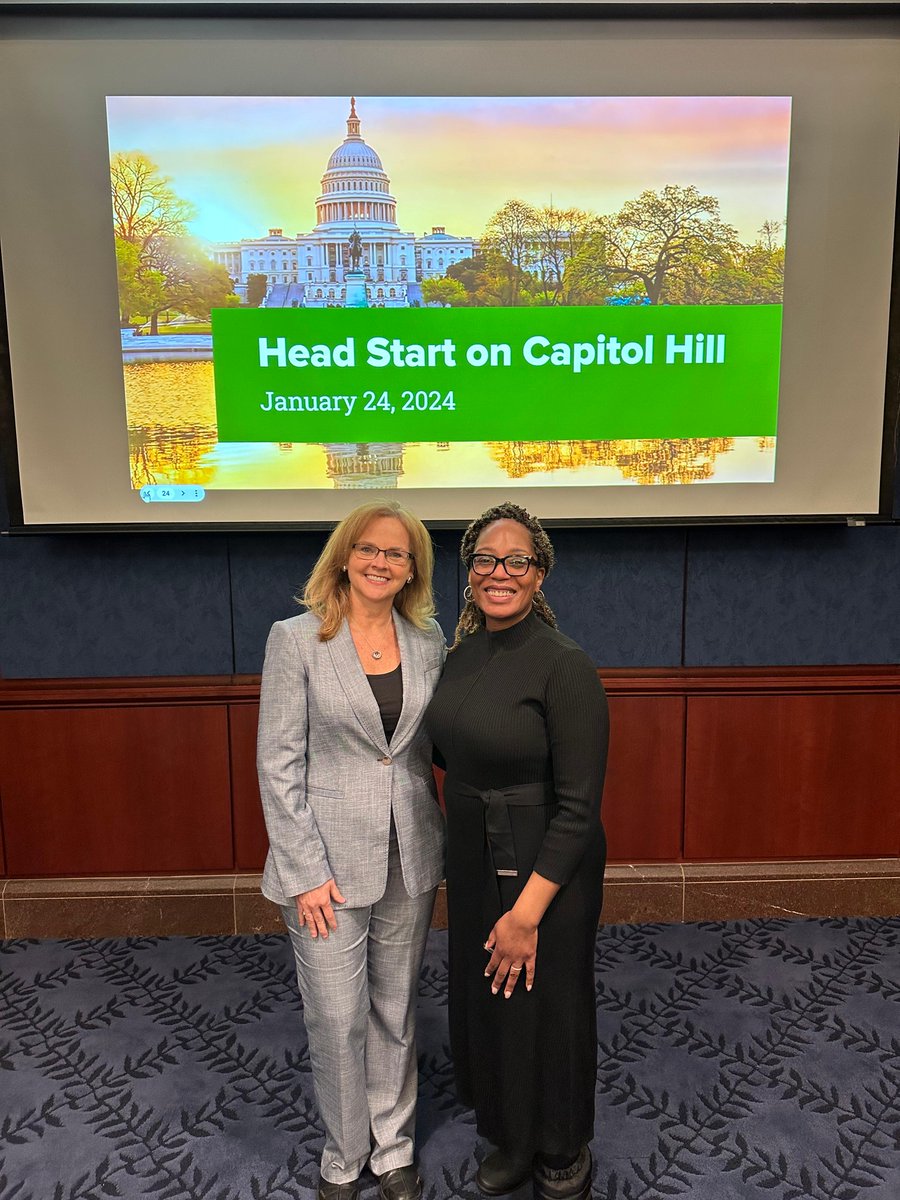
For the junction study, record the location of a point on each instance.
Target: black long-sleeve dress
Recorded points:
(521, 712)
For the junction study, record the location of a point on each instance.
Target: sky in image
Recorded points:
(249, 164)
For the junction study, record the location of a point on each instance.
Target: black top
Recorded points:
(524, 705)
(388, 691)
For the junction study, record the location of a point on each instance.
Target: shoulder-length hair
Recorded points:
(327, 591)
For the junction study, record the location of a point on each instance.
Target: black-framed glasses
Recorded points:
(513, 564)
(393, 555)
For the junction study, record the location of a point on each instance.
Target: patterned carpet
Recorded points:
(744, 1059)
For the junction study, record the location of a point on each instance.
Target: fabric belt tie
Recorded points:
(497, 826)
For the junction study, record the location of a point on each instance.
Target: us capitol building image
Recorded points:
(307, 271)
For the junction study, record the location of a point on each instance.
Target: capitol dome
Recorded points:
(354, 152)
(356, 190)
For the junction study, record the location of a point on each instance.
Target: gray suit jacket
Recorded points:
(328, 780)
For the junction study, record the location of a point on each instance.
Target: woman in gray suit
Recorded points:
(356, 838)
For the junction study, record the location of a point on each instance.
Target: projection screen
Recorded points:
(612, 270)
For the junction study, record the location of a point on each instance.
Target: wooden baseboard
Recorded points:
(194, 905)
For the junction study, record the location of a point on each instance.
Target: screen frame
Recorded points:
(175, 10)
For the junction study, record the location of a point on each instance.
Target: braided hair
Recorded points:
(471, 619)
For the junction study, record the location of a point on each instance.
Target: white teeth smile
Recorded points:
(499, 592)
(376, 579)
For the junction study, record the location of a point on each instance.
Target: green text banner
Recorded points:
(496, 374)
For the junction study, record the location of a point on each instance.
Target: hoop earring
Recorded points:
(538, 596)
(467, 593)
(409, 581)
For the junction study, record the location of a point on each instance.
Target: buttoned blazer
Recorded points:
(328, 779)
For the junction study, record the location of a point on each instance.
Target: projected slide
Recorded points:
(416, 292)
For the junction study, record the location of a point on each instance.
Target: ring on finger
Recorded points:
(515, 970)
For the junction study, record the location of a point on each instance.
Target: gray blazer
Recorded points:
(328, 780)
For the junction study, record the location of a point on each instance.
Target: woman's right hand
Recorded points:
(314, 908)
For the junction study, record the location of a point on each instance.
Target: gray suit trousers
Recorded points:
(359, 1003)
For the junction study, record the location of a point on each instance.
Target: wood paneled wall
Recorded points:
(156, 776)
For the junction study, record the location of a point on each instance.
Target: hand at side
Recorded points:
(513, 940)
(514, 948)
(315, 910)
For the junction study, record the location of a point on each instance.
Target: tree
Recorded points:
(657, 239)
(765, 268)
(483, 286)
(128, 263)
(257, 287)
(144, 206)
(444, 291)
(771, 234)
(745, 275)
(508, 246)
(159, 265)
(192, 283)
(560, 234)
(141, 290)
(584, 280)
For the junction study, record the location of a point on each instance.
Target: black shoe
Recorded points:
(337, 1191)
(400, 1183)
(567, 1183)
(500, 1173)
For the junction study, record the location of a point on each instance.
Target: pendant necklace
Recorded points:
(376, 654)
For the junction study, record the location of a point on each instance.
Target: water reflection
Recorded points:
(364, 464)
(171, 395)
(644, 461)
(161, 455)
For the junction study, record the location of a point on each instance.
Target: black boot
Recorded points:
(567, 1183)
(500, 1173)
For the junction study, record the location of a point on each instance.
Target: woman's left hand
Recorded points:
(513, 946)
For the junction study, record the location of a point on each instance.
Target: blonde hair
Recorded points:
(471, 619)
(327, 591)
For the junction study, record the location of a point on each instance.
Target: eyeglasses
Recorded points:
(513, 564)
(397, 558)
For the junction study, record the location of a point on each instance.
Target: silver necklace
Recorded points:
(376, 654)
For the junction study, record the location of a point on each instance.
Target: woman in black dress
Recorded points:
(520, 720)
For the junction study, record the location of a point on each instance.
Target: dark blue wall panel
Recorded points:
(618, 593)
(93, 605)
(267, 571)
(761, 596)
